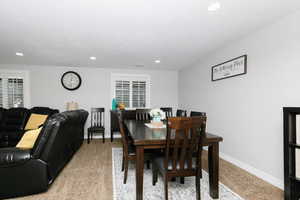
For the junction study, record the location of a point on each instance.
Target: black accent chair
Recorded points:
(181, 113)
(97, 123)
(168, 111)
(25, 172)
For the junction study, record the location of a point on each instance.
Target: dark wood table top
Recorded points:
(143, 135)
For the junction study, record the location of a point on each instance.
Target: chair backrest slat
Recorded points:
(196, 113)
(97, 117)
(182, 141)
(168, 111)
(181, 113)
(142, 114)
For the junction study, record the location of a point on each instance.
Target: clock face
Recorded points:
(71, 80)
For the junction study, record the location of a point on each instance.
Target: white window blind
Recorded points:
(139, 94)
(1, 97)
(15, 92)
(11, 92)
(122, 91)
(131, 90)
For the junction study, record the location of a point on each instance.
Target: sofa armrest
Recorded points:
(13, 156)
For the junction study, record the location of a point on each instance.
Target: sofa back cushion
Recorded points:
(2, 113)
(43, 111)
(15, 119)
(59, 139)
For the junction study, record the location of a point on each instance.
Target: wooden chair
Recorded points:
(97, 123)
(168, 111)
(182, 141)
(142, 114)
(181, 113)
(195, 113)
(129, 149)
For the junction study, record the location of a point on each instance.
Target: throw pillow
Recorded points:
(29, 138)
(35, 120)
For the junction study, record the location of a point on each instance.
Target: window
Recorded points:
(12, 89)
(139, 94)
(1, 98)
(131, 90)
(15, 92)
(122, 90)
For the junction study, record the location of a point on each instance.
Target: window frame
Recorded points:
(131, 77)
(22, 74)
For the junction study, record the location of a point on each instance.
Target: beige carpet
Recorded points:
(89, 177)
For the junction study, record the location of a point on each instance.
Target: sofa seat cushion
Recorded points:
(35, 120)
(13, 156)
(29, 138)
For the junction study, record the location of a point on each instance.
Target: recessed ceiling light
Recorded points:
(214, 6)
(157, 61)
(93, 58)
(19, 54)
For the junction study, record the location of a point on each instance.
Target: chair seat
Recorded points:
(95, 128)
(159, 162)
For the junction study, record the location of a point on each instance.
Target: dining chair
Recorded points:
(142, 114)
(97, 123)
(182, 141)
(168, 111)
(181, 113)
(129, 149)
(196, 113)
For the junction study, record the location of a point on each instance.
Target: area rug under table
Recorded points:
(177, 191)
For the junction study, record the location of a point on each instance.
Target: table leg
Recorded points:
(111, 135)
(213, 168)
(139, 172)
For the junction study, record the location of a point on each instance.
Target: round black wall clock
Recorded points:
(71, 80)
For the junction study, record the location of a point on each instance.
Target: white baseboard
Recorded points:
(260, 174)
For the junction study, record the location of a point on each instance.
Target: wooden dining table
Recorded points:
(153, 138)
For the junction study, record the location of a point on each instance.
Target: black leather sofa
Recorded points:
(24, 172)
(13, 122)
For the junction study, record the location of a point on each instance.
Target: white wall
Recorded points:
(247, 110)
(95, 91)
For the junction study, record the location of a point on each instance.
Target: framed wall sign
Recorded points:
(234, 67)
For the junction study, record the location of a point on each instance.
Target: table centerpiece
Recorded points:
(157, 115)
